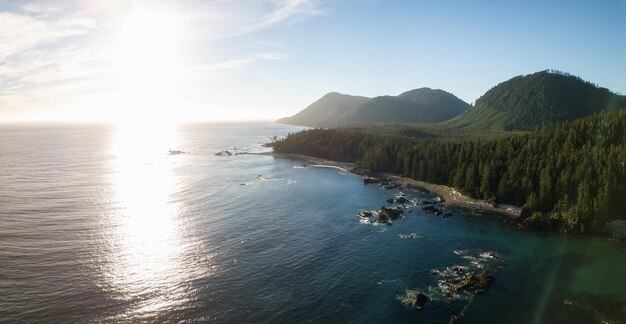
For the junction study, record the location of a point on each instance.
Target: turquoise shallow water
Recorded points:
(99, 224)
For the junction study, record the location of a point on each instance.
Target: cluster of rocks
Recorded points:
(384, 215)
(387, 214)
(383, 182)
(433, 208)
(228, 152)
(455, 281)
(475, 283)
(224, 153)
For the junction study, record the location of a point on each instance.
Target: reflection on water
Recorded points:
(146, 257)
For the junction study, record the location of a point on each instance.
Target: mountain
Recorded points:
(532, 101)
(325, 111)
(422, 105)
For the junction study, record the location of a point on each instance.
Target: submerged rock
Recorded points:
(409, 236)
(489, 255)
(401, 200)
(390, 201)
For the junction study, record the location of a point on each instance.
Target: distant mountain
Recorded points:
(422, 105)
(326, 111)
(540, 99)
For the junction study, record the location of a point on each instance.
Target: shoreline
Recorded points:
(311, 160)
(454, 200)
(449, 197)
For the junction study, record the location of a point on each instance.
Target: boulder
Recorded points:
(389, 213)
(368, 180)
(418, 299)
(401, 200)
(390, 201)
(365, 214)
(432, 210)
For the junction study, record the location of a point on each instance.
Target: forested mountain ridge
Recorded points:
(325, 111)
(574, 171)
(532, 101)
(423, 105)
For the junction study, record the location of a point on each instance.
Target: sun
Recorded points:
(147, 51)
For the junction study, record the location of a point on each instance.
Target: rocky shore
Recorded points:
(448, 199)
(445, 195)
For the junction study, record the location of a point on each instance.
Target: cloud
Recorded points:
(286, 11)
(226, 19)
(239, 63)
(20, 33)
(54, 51)
(41, 8)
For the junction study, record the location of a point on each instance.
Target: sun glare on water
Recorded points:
(147, 255)
(150, 256)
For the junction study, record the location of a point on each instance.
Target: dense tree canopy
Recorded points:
(535, 100)
(575, 170)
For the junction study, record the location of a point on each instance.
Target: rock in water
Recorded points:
(432, 210)
(474, 283)
(365, 214)
(224, 153)
(401, 200)
(418, 299)
(389, 213)
(176, 152)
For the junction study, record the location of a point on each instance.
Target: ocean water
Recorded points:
(100, 224)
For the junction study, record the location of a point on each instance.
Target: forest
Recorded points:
(574, 171)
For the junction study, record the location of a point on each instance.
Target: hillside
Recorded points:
(547, 171)
(422, 105)
(325, 111)
(540, 99)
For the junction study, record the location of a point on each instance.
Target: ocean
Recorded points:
(104, 224)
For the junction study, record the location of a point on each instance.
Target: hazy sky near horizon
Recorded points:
(124, 60)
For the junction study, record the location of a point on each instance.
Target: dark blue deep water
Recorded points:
(101, 225)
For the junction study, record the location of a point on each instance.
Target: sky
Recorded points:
(179, 61)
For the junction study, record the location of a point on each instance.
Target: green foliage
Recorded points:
(536, 100)
(326, 111)
(422, 105)
(576, 169)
